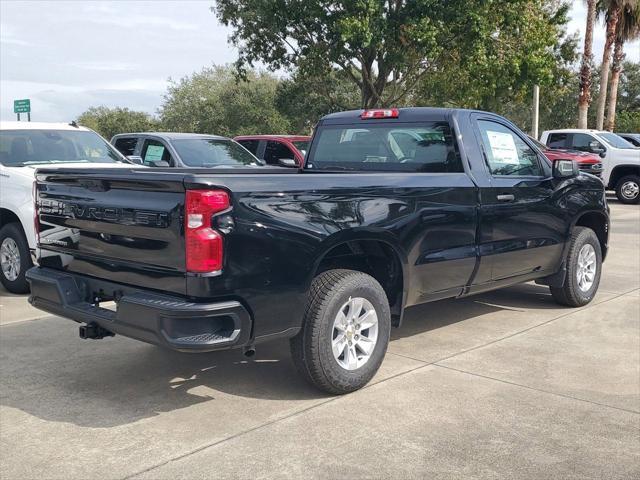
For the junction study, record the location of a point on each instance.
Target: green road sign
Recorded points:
(22, 106)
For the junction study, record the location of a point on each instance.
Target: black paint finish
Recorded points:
(449, 232)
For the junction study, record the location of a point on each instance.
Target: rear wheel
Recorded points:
(345, 332)
(15, 258)
(628, 189)
(584, 265)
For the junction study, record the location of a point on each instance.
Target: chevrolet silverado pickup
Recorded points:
(392, 208)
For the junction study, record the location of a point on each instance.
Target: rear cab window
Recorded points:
(427, 147)
(126, 145)
(557, 140)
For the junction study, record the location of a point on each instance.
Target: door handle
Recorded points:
(506, 197)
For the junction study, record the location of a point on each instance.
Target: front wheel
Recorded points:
(584, 266)
(345, 332)
(628, 189)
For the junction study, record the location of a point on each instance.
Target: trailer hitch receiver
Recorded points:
(94, 331)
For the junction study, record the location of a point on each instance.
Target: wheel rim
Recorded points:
(630, 190)
(355, 333)
(587, 266)
(10, 259)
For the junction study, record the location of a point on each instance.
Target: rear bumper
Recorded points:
(154, 318)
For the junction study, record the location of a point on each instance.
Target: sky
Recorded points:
(67, 56)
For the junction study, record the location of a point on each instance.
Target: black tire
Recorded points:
(14, 232)
(628, 189)
(311, 349)
(570, 294)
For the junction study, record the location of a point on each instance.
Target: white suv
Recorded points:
(25, 146)
(621, 159)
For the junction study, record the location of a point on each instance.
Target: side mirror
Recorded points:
(596, 147)
(287, 162)
(603, 154)
(565, 169)
(135, 159)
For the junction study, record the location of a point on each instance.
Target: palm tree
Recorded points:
(587, 65)
(611, 9)
(628, 30)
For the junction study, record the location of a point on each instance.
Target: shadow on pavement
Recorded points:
(46, 371)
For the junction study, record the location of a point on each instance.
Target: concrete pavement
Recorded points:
(505, 384)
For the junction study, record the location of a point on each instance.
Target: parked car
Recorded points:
(160, 149)
(25, 146)
(632, 138)
(587, 162)
(282, 150)
(393, 208)
(621, 159)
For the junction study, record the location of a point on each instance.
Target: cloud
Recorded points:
(9, 36)
(104, 66)
(69, 56)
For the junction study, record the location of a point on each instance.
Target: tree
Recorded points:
(504, 84)
(215, 101)
(387, 48)
(303, 100)
(111, 121)
(587, 66)
(611, 10)
(628, 29)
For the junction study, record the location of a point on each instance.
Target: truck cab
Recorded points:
(620, 158)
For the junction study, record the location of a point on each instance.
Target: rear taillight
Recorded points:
(204, 245)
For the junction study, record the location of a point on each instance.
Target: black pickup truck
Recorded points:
(393, 208)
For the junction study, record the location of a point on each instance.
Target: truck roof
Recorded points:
(575, 130)
(272, 136)
(12, 125)
(407, 114)
(172, 135)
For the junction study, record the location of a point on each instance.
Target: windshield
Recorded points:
(426, 147)
(302, 146)
(30, 147)
(212, 152)
(616, 140)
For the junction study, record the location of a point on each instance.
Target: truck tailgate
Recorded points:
(124, 225)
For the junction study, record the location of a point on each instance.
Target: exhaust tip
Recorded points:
(249, 352)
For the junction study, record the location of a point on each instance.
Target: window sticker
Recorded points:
(503, 147)
(154, 153)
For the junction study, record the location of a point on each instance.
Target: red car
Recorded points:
(587, 162)
(283, 150)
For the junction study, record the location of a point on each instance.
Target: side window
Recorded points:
(583, 142)
(557, 140)
(507, 153)
(126, 146)
(276, 151)
(251, 145)
(155, 151)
